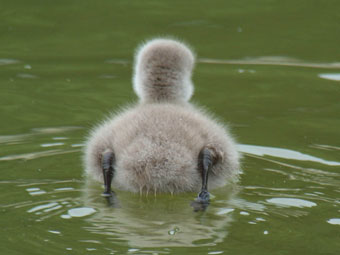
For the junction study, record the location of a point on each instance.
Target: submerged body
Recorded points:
(157, 143)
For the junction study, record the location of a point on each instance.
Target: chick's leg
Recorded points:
(108, 160)
(205, 162)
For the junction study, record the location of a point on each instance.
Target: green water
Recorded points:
(64, 65)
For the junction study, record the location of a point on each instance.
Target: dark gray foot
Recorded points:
(108, 160)
(203, 197)
(112, 200)
(205, 162)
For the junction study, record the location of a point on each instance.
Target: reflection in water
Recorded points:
(54, 232)
(264, 60)
(107, 76)
(39, 154)
(291, 202)
(55, 198)
(77, 145)
(8, 61)
(37, 192)
(41, 207)
(225, 211)
(162, 221)
(118, 61)
(282, 153)
(38, 131)
(60, 138)
(72, 78)
(272, 61)
(7, 139)
(81, 212)
(246, 205)
(26, 76)
(51, 144)
(334, 221)
(165, 220)
(52, 130)
(330, 76)
(325, 147)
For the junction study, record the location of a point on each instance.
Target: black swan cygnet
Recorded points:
(162, 143)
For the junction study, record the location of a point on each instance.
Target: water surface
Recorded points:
(269, 69)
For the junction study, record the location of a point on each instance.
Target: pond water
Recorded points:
(268, 68)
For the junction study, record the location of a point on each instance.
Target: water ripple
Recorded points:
(27, 76)
(335, 221)
(38, 154)
(8, 61)
(272, 61)
(330, 76)
(295, 202)
(282, 153)
(38, 131)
